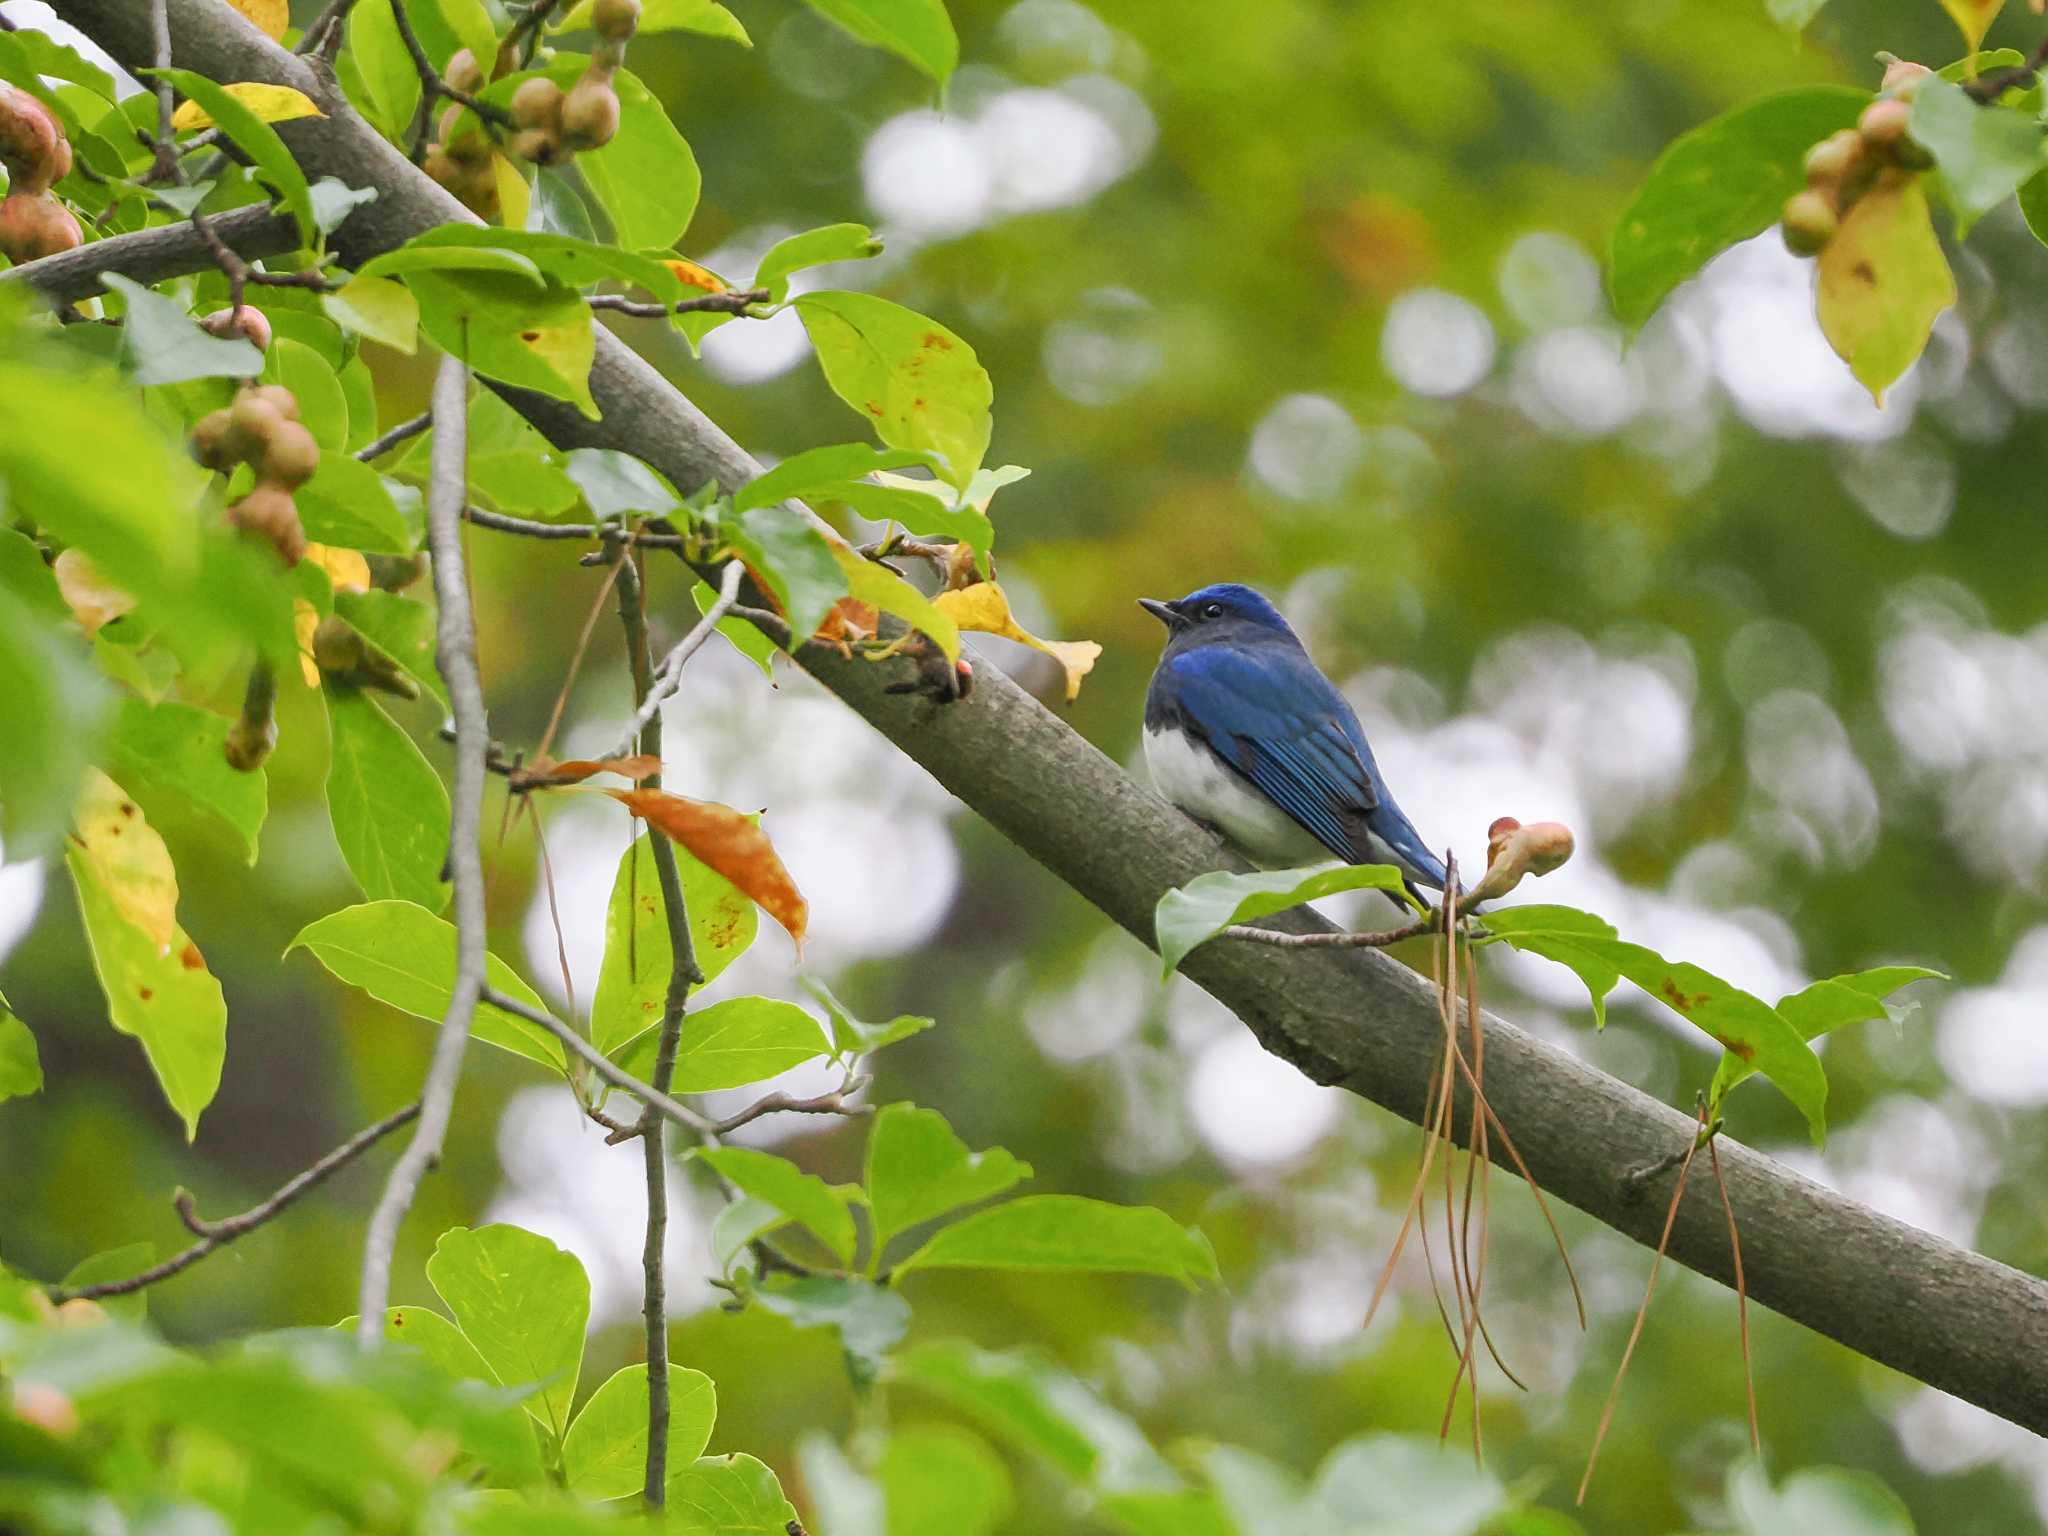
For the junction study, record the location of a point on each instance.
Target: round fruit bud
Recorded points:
(537, 103)
(216, 443)
(249, 742)
(1883, 124)
(34, 224)
(32, 145)
(284, 400)
(394, 573)
(1834, 157)
(463, 72)
(257, 419)
(1902, 76)
(614, 20)
(590, 112)
(440, 165)
(290, 457)
(542, 146)
(80, 1312)
(268, 511)
(40, 1404)
(1809, 223)
(252, 325)
(336, 645)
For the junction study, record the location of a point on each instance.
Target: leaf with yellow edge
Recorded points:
(128, 860)
(515, 197)
(345, 568)
(880, 587)
(984, 608)
(270, 16)
(270, 103)
(1973, 19)
(1883, 279)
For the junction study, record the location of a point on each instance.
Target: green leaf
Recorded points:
(388, 805)
(163, 996)
(853, 1037)
(387, 70)
(1196, 912)
(1740, 1022)
(56, 702)
(1719, 184)
(1177, 1512)
(506, 329)
(604, 1455)
(1069, 1232)
(346, 504)
(116, 1264)
(744, 1040)
(701, 16)
(1883, 279)
(943, 1478)
(739, 634)
(1815, 1501)
(870, 1319)
(918, 1169)
(447, 258)
(402, 627)
(471, 26)
(632, 982)
(183, 751)
(378, 308)
(1793, 15)
(802, 1197)
(727, 1496)
(803, 473)
(162, 344)
(524, 1304)
(736, 1225)
(1824, 1006)
(1985, 153)
(793, 558)
(403, 955)
(424, 1329)
(21, 1069)
(1405, 1480)
(575, 262)
(813, 248)
(616, 484)
(334, 200)
(256, 139)
(313, 381)
(918, 384)
(917, 30)
(646, 179)
(870, 582)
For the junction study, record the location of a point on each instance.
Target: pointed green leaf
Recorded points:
(793, 558)
(731, 1495)
(182, 750)
(802, 1197)
(1883, 281)
(1985, 153)
(870, 1319)
(1825, 1006)
(509, 330)
(851, 1036)
(524, 1304)
(918, 1169)
(424, 1329)
(744, 1040)
(388, 805)
(802, 473)
(256, 139)
(632, 983)
(917, 30)
(377, 308)
(813, 248)
(1570, 937)
(1069, 1232)
(163, 344)
(604, 1455)
(646, 179)
(21, 1069)
(1196, 912)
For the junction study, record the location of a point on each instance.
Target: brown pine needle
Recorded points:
(1756, 1442)
(1642, 1312)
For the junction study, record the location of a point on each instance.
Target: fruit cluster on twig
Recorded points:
(33, 222)
(1845, 165)
(261, 428)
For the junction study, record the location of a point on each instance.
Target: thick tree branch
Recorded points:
(151, 255)
(455, 655)
(218, 1234)
(1951, 1318)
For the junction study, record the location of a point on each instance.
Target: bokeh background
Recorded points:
(1305, 294)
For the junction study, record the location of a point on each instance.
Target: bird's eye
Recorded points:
(1213, 611)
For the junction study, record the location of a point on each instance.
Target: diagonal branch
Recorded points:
(455, 654)
(645, 726)
(1949, 1317)
(218, 1234)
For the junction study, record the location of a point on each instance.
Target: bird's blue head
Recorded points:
(1226, 613)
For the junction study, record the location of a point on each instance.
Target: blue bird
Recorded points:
(1247, 736)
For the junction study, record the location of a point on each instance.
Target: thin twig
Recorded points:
(1429, 922)
(734, 301)
(601, 1064)
(668, 677)
(328, 20)
(833, 1103)
(404, 432)
(610, 533)
(510, 52)
(455, 654)
(218, 1234)
(434, 87)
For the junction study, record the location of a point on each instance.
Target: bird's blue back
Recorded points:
(1235, 676)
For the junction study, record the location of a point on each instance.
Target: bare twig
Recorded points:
(645, 726)
(455, 654)
(152, 255)
(833, 1103)
(218, 1234)
(404, 432)
(734, 301)
(1429, 922)
(602, 1064)
(433, 88)
(511, 52)
(315, 38)
(610, 533)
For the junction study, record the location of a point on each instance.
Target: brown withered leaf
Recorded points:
(544, 772)
(731, 844)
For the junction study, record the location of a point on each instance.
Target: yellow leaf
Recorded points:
(271, 103)
(984, 608)
(93, 599)
(695, 276)
(347, 570)
(127, 857)
(271, 16)
(514, 196)
(879, 587)
(1973, 18)
(1883, 279)
(305, 619)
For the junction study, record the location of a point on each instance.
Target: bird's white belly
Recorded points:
(1187, 773)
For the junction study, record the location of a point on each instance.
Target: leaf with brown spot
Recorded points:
(544, 771)
(985, 608)
(731, 844)
(1883, 280)
(128, 858)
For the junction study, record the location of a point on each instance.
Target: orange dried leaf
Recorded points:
(731, 844)
(543, 771)
(850, 619)
(127, 857)
(983, 607)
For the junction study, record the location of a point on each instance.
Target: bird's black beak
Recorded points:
(1165, 613)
